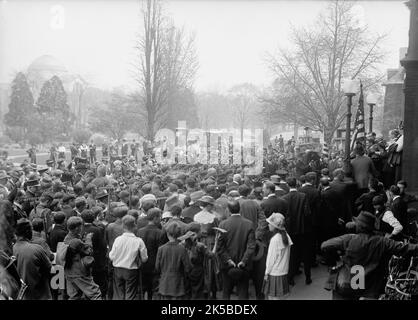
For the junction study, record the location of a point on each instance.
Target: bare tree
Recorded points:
(309, 78)
(243, 100)
(167, 63)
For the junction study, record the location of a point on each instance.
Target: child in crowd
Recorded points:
(173, 266)
(277, 264)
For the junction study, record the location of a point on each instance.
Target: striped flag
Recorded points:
(359, 129)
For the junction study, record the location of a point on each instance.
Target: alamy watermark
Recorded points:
(212, 146)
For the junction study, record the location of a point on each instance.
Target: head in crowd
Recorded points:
(339, 174)
(173, 231)
(176, 211)
(154, 216)
(59, 217)
(80, 204)
(379, 203)
(135, 202)
(233, 206)
(395, 191)
(269, 188)
(147, 205)
(38, 225)
(129, 223)
(291, 182)
(24, 229)
(120, 211)
(244, 190)
(324, 182)
(87, 216)
(276, 223)
(402, 185)
(74, 225)
(359, 150)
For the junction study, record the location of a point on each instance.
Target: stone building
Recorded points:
(40, 70)
(394, 98)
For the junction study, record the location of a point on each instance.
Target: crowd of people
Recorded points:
(131, 228)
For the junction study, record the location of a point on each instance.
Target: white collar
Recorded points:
(293, 190)
(306, 184)
(395, 197)
(327, 187)
(271, 195)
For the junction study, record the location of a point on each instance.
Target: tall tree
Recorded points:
(21, 107)
(167, 65)
(55, 118)
(310, 76)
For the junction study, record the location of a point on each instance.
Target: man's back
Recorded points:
(371, 252)
(34, 267)
(313, 197)
(239, 235)
(297, 214)
(152, 237)
(363, 168)
(249, 209)
(113, 230)
(274, 204)
(56, 235)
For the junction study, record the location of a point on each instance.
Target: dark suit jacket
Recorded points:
(56, 235)
(314, 198)
(251, 210)
(342, 192)
(238, 243)
(152, 237)
(363, 168)
(274, 204)
(399, 209)
(99, 245)
(298, 218)
(328, 217)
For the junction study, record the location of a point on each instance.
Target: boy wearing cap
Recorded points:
(78, 263)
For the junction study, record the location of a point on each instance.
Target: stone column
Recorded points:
(410, 63)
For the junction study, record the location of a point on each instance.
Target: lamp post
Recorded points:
(371, 101)
(350, 89)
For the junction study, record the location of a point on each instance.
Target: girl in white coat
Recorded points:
(277, 265)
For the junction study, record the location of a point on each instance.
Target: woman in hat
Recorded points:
(207, 219)
(278, 256)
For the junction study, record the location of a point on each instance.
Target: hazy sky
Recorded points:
(97, 37)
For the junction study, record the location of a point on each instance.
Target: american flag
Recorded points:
(359, 130)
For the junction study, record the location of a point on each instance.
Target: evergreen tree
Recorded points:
(55, 118)
(21, 108)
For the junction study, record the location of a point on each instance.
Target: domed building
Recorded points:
(44, 68)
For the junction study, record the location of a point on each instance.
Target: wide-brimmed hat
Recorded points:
(195, 196)
(366, 219)
(277, 220)
(101, 194)
(207, 199)
(282, 173)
